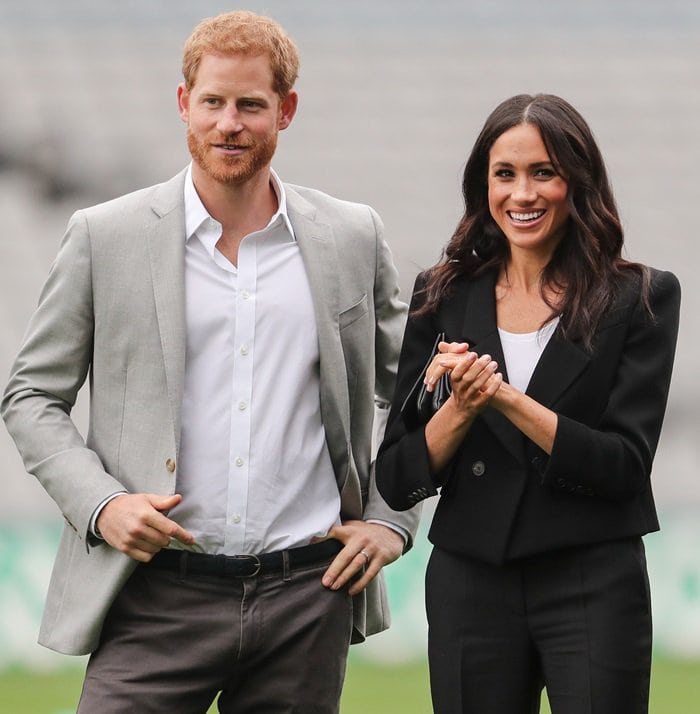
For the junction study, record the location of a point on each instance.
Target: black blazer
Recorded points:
(502, 497)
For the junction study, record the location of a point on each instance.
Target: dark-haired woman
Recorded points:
(559, 355)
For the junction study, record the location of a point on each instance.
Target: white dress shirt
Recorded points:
(254, 469)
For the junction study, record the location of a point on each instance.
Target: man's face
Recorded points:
(233, 116)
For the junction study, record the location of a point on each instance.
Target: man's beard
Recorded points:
(232, 169)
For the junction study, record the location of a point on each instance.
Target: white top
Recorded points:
(522, 352)
(253, 454)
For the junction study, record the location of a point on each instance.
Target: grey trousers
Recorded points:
(268, 645)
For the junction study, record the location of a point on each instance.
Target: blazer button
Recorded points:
(170, 465)
(478, 468)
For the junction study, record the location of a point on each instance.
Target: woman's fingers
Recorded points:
(453, 347)
(473, 388)
(468, 370)
(445, 362)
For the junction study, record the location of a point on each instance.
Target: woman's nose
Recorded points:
(523, 190)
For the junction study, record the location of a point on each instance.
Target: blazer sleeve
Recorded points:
(613, 458)
(52, 365)
(390, 320)
(403, 471)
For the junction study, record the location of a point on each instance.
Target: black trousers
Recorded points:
(577, 621)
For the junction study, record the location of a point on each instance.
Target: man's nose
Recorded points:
(230, 121)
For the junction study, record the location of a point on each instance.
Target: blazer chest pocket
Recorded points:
(353, 314)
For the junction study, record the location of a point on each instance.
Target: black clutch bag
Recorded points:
(427, 403)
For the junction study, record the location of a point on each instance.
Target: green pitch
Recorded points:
(675, 689)
(370, 689)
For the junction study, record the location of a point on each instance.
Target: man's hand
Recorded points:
(136, 525)
(367, 545)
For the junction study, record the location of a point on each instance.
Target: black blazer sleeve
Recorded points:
(611, 454)
(403, 470)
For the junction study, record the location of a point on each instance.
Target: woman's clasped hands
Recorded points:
(474, 378)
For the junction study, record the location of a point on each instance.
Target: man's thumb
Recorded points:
(164, 503)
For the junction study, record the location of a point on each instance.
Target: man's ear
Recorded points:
(183, 102)
(288, 108)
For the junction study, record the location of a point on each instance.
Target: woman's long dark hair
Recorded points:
(587, 265)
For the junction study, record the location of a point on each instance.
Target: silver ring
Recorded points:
(366, 555)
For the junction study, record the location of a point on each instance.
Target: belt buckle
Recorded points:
(253, 559)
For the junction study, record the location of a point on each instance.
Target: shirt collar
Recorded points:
(196, 214)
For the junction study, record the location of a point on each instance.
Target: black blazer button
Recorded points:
(478, 468)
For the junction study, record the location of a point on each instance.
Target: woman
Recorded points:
(559, 355)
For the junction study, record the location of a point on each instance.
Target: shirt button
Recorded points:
(245, 295)
(170, 465)
(244, 349)
(239, 461)
(236, 518)
(478, 468)
(242, 405)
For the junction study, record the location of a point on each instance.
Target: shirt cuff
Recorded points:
(93, 520)
(397, 529)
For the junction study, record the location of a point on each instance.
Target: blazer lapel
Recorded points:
(561, 363)
(166, 248)
(479, 329)
(479, 322)
(564, 360)
(319, 253)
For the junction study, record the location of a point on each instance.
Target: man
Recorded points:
(224, 533)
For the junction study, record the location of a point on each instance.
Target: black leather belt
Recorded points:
(243, 566)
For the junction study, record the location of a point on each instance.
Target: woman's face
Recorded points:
(527, 197)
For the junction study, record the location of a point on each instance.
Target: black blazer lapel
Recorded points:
(479, 329)
(559, 366)
(561, 363)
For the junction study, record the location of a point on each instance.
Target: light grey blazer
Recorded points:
(112, 310)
